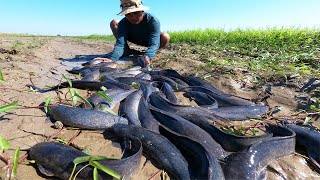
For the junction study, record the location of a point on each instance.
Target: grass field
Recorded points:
(265, 53)
(269, 52)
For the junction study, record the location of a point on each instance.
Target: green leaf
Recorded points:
(9, 107)
(69, 80)
(33, 90)
(73, 93)
(83, 99)
(75, 176)
(83, 159)
(306, 120)
(61, 141)
(135, 85)
(46, 105)
(95, 174)
(103, 94)
(254, 131)
(86, 150)
(106, 110)
(104, 169)
(15, 162)
(257, 120)
(314, 108)
(103, 88)
(4, 144)
(1, 77)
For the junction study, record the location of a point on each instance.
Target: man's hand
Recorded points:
(103, 59)
(146, 58)
(144, 61)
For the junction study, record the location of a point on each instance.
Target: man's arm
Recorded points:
(122, 36)
(154, 39)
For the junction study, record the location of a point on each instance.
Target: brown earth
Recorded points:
(42, 61)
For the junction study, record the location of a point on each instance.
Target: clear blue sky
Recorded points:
(85, 17)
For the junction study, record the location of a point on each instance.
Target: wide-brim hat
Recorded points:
(129, 6)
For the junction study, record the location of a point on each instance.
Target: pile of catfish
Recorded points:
(183, 140)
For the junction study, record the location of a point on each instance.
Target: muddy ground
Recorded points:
(42, 61)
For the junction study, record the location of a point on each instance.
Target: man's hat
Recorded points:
(129, 6)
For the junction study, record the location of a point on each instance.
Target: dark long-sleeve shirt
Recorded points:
(146, 33)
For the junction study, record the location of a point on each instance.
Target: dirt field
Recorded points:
(42, 61)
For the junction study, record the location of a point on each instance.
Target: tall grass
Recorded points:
(264, 52)
(288, 39)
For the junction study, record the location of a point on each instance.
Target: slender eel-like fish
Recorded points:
(249, 163)
(239, 113)
(201, 117)
(158, 148)
(187, 128)
(84, 118)
(202, 99)
(195, 81)
(168, 91)
(117, 95)
(80, 84)
(309, 139)
(146, 118)
(202, 164)
(143, 75)
(166, 73)
(56, 159)
(222, 98)
(187, 112)
(130, 80)
(94, 75)
(131, 107)
(232, 142)
(171, 82)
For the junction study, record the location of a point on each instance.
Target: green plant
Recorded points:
(75, 94)
(96, 37)
(31, 43)
(1, 77)
(46, 104)
(11, 169)
(105, 96)
(10, 107)
(4, 144)
(135, 85)
(273, 54)
(93, 161)
(234, 130)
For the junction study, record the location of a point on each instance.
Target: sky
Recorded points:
(86, 17)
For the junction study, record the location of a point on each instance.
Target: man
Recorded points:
(139, 28)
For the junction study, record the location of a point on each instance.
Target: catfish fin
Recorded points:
(44, 171)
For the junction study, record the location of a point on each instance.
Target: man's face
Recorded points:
(135, 17)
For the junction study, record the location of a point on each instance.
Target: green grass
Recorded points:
(289, 39)
(265, 53)
(34, 42)
(96, 37)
